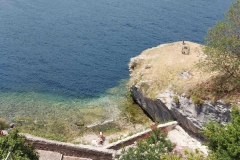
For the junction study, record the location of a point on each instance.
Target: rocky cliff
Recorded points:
(155, 70)
(190, 116)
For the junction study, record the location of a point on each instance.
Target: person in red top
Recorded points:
(101, 139)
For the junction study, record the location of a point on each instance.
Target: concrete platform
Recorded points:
(49, 155)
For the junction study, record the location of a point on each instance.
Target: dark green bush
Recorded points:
(224, 140)
(21, 150)
(151, 147)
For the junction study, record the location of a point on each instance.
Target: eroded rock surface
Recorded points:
(154, 108)
(190, 116)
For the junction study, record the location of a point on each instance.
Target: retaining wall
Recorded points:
(131, 139)
(86, 151)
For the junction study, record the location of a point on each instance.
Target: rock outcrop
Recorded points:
(156, 70)
(190, 116)
(155, 109)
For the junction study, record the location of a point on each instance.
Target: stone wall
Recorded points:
(86, 151)
(68, 149)
(131, 139)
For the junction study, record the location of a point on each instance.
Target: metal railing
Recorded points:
(9, 154)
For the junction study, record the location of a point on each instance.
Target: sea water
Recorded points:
(62, 57)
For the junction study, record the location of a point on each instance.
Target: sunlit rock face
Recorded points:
(190, 116)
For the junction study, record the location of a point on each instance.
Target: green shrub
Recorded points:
(21, 150)
(176, 99)
(155, 146)
(224, 140)
(80, 123)
(196, 100)
(133, 112)
(151, 147)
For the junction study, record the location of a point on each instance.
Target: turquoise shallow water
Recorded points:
(61, 57)
(42, 107)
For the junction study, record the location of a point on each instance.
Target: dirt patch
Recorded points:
(49, 155)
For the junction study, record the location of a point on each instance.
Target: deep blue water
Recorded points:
(81, 48)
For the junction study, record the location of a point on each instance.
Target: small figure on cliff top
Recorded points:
(185, 48)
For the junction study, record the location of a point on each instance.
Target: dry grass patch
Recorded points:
(218, 87)
(159, 67)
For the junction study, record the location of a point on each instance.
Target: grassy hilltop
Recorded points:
(164, 66)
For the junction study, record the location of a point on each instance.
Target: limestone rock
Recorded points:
(190, 116)
(184, 75)
(155, 109)
(148, 66)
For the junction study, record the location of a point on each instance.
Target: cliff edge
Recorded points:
(160, 79)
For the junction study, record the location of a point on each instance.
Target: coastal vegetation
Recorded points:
(223, 144)
(222, 52)
(210, 72)
(224, 140)
(223, 44)
(16, 145)
(150, 147)
(156, 146)
(221, 58)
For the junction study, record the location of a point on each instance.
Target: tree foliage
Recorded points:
(223, 44)
(156, 146)
(21, 150)
(151, 147)
(224, 140)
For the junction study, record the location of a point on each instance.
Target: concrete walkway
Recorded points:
(54, 150)
(49, 155)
